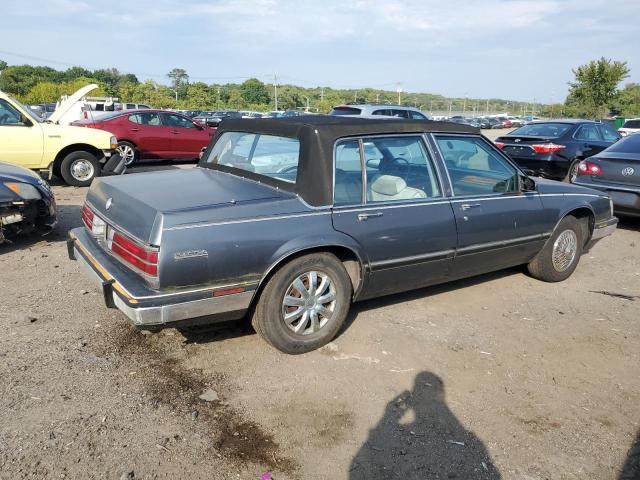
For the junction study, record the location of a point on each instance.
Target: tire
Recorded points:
(269, 315)
(543, 267)
(128, 151)
(79, 168)
(572, 172)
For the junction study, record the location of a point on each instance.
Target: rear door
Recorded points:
(498, 224)
(590, 140)
(149, 134)
(388, 197)
(186, 138)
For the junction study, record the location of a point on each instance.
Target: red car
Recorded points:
(147, 134)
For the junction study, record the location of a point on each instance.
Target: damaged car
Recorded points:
(27, 203)
(290, 221)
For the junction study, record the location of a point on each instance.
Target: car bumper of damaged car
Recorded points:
(148, 308)
(20, 216)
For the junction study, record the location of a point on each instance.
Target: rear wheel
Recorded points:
(572, 173)
(559, 257)
(304, 304)
(79, 168)
(129, 152)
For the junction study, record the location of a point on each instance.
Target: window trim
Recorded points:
(146, 124)
(494, 149)
(20, 115)
(364, 203)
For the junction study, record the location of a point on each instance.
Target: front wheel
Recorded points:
(79, 168)
(304, 304)
(560, 255)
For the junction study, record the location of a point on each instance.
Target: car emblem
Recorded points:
(627, 172)
(517, 140)
(109, 203)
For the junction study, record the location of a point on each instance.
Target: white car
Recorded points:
(630, 126)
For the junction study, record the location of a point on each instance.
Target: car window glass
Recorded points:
(587, 132)
(8, 114)
(418, 116)
(178, 121)
(608, 133)
(348, 174)
(549, 130)
(151, 119)
(400, 113)
(628, 144)
(382, 112)
(272, 156)
(130, 106)
(398, 168)
(631, 124)
(475, 167)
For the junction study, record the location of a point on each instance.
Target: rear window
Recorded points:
(631, 124)
(551, 130)
(629, 144)
(269, 155)
(345, 111)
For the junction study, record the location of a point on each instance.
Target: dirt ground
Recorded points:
(499, 376)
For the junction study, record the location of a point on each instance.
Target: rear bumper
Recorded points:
(150, 308)
(626, 200)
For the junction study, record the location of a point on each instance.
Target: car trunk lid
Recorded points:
(137, 203)
(521, 146)
(617, 167)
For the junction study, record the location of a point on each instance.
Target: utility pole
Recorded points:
(275, 90)
(378, 97)
(355, 97)
(399, 90)
(464, 105)
(321, 94)
(450, 105)
(487, 112)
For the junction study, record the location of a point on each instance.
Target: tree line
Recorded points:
(594, 93)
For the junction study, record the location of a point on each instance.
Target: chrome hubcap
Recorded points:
(564, 250)
(309, 303)
(82, 169)
(127, 153)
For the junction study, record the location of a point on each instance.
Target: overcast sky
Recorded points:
(515, 49)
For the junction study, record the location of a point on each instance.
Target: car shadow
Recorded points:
(629, 223)
(216, 332)
(69, 216)
(418, 436)
(631, 468)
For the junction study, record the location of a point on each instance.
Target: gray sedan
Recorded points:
(291, 220)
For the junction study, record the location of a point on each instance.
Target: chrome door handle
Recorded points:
(362, 217)
(467, 206)
(134, 129)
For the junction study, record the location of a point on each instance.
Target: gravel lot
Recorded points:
(499, 376)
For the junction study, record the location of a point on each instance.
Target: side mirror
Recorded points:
(528, 184)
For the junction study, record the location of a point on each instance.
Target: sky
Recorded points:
(511, 49)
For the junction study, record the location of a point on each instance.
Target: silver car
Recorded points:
(379, 110)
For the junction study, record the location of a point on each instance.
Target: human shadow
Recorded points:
(420, 438)
(631, 468)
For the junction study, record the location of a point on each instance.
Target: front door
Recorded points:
(20, 143)
(394, 208)
(149, 134)
(499, 225)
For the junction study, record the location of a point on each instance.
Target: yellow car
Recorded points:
(74, 153)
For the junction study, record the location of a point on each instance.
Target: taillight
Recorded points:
(139, 256)
(87, 217)
(589, 168)
(500, 145)
(622, 132)
(547, 147)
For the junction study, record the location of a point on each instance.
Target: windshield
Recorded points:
(272, 156)
(27, 111)
(549, 130)
(629, 144)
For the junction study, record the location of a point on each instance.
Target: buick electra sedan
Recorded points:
(289, 221)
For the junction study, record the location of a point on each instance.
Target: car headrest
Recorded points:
(388, 185)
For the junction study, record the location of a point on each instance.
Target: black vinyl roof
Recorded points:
(317, 135)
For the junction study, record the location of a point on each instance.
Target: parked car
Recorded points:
(616, 171)
(149, 134)
(553, 149)
(75, 154)
(131, 106)
(483, 122)
(26, 202)
(213, 119)
(630, 126)
(372, 110)
(291, 220)
(495, 123)
(505, 122)
(43, 110)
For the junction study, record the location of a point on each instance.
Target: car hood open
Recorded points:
(65, 105)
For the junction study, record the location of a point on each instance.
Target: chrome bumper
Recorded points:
(153, 309)
(604, 229)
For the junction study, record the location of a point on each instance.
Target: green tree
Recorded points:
(595, 87)
(3, 65)
(254, 91)
(627, 102)
(179, 80)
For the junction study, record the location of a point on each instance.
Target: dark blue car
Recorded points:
(26, 202)
(292, 220)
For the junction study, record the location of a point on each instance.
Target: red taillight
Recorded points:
(547, 147)
(143, 258)
(87, 216)
(500, 145)
(589, 168)
(622, 132)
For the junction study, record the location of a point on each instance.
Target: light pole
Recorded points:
(307, 98)
(399, 90)
(275, 91)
